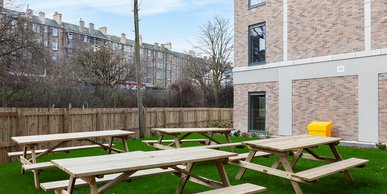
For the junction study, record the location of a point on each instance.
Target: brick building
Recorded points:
(160, 65)
(298, 61)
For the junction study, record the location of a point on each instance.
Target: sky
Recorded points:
(162, 21)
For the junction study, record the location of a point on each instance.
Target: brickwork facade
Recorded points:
(320, 28)
(326, 99)
(241, 95)
(383, 108)
(269, 13)
(379, 24)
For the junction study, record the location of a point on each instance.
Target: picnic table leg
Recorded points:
(184, 179)
(288, 168)
(110, 145)
(227, 135)
(297, 156)
(92, 184)
(339, 158)
(35, 172)
(125, 143)
(70, 187)
(160, 138)
(222, 173)
(25, 157)
(177, 141)
(243, 170)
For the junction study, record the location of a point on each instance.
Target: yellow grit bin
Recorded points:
(318, 128)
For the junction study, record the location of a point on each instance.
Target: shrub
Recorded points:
(381, 146)
(222, 124)
(237, 133)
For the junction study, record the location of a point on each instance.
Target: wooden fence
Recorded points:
(33, 121)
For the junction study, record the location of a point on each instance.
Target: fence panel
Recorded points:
(34, 121)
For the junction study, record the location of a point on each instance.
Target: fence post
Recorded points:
(196, 118)
(98, 121)
(220, 114)
(181, 118)
(209, 117)
(165, 118)
(126, 117)
(19, 123)
(66, 121)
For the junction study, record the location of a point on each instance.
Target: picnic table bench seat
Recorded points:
(224, 145)
(62, 149)
(37, 166)
(59, 185)
(244, 156)
(322, 171)
(246, 188)
(150, 142)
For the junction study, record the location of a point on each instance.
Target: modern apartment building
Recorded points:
(298, 61)
(160, 65)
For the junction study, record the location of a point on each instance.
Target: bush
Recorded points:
(381, 146)
(222, 124)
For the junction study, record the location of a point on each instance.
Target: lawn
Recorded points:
(371, 179)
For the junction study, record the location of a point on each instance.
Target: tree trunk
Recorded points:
(141, 119)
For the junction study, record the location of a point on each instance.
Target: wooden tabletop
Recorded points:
(35, 139)
(283, 144)
(191, 130)
(107, 164)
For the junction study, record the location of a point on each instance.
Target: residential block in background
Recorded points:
(299, 61)
(160, 65)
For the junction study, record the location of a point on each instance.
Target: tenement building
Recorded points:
(299, 61)
(160, 65)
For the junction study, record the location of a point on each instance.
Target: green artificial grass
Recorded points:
(371, 179)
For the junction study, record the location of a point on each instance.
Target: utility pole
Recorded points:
(141, 119)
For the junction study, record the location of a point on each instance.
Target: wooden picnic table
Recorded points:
(90, 168)
(299, 147)
(180, 135)
(30, 143)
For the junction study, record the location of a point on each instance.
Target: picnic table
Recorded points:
(181, 135)
(298, 147)
(89, 169)
(30, 144)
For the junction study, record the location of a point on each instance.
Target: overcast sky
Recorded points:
(162, 21)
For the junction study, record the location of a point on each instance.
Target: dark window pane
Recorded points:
(257, 111)
(257, 44)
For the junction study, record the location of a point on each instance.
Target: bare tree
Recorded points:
(196, 69)
(216, 41)
(103, 67)
(20, 53)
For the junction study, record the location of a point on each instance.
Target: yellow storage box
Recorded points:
(320, 129)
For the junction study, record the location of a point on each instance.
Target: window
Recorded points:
(257, 111)
(70, 36)
(46, 43)
(54, 46)
(256, 3)
(54, 32)
(36, 28)
(257, 44)
(45, 29)
(85, 39)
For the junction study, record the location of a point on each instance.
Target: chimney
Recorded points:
(91, 28)
(123, 38)
(30, 13)
(168, 46)
(140, 40)
(191, 53)
(58, 17)
(162, 47)
(103, 30)
(1, 4)
(156, 47)
(42, 17)
(81, 25)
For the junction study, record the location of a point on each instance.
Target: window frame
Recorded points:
(256, 5)
(250, 63)
(250, 121)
